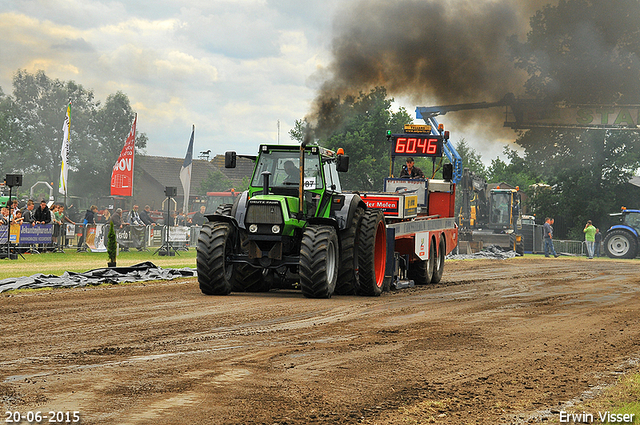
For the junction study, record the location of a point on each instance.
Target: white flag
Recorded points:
(185, 173)
(64, 153)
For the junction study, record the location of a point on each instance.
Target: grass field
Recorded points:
(70, 260)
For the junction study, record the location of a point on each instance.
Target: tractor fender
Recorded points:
(344, 215)
(325, 221)
(623, 227)
(239, 209)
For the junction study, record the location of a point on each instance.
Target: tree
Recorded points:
(215, 182)
(517, 172)
(111, 126)
(582, 51)
(471, 159)
(31, 132)
(40, 105)
(359, 125)
(298, 131)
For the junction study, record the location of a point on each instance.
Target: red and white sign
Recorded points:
(122, 175)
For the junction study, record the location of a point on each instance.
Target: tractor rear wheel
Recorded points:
(215, 245)
(372, 253)
(318, 261)
(620, 244)
(438, 267)
(348, 271)
(223, 209)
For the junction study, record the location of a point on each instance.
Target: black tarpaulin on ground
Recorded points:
(136, 273)
(489, 252)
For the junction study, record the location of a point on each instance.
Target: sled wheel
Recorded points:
(438, 265)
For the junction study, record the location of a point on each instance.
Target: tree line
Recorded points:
(31, 121)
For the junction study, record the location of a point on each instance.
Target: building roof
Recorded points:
(244, 168)
(635, 180)
(166, 171)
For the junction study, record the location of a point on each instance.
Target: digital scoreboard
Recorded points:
(420, 145)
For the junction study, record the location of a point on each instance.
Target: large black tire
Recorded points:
(421, 271)
(620, 244)
(251, 279)
(372, 253)
(438, 265)
(215, 273)
(348, 271)
(224, 209)
(318, 261)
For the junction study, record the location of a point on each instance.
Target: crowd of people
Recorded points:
(137, 217)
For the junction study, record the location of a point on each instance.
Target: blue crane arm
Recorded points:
(452, 154)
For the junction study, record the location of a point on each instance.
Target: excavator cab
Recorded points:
(504, 209)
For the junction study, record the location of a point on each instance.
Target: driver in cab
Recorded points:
(293, 173)
(409, 171)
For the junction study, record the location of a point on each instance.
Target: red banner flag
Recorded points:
(122, 175)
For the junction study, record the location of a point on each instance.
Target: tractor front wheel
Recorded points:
(318, 261)
(215, 245)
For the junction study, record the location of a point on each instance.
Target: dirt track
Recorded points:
(493, 342)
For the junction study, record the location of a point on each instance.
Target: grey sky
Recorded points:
(232, 68)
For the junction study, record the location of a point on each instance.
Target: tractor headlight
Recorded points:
(253, 228)
(275, 228)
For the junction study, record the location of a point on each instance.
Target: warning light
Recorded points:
(440, 127)
(340, 151)
(517, 188)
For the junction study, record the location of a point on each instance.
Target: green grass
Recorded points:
(70, 260)
(621, 398)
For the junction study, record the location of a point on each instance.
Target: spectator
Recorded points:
(89, 219)
(598, 242)
(14, 207)
(116, 219)
(411, 172)
(106, 216)
(145, 216)
(57, 222)
(590, 238)
(42, 215)
(64, 219)
(5, 217)
(198, 218)
(28, 213)
(548, 239)
(90, 216)
(134, 217)
(17, 218)
(180, 219)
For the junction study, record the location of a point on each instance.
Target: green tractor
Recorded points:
(293, 228)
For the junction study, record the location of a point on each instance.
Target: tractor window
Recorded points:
(331, 176)
(285, 170)
(632, 220)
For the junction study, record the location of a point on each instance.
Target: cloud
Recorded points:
(233, 68)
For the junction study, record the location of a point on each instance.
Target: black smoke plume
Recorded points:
(448, 52)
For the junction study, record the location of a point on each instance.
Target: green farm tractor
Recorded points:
(293, 228)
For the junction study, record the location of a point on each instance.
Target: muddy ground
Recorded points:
(495, 342)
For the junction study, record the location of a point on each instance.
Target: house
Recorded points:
(155, 173)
